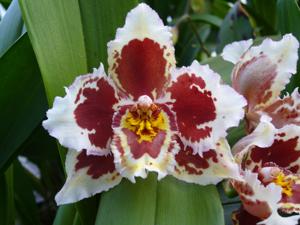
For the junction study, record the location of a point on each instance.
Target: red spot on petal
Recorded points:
(141, 67)
(96, 112)
(97, 165)
(283, 153)
(193, 106)
(194, 163)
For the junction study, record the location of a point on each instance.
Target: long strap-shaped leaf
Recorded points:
(22, 98)
(69, 39)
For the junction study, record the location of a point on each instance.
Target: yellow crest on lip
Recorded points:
(145, 122)
(285, 182)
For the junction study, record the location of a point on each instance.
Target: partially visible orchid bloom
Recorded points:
(260, 73)
(146, 115)
(270, 162)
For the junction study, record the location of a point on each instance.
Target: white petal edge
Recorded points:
(223, 169)
(233, 52)
(141, 22)
(79, 185)
(262, 136)
(61, 122)
(229, 106)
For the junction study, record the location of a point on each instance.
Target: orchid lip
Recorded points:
(145, 119)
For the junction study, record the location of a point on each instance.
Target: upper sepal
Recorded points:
(141, 54)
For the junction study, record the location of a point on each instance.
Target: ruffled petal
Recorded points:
(262, 136)
(285, 110)
(258, 199)
(234, 51)
(263, 71)
(135, 157)
(87, 175)
(210, 168)
(142, 53)
(204, 107)
(270, 145)
(82, 119)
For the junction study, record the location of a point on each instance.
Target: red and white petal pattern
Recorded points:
(284, 149)
(210, 168)
(291, 204)
(262, 200)
(142, 53)
(262, 136)
(87, 175)
(82, 118)
(134, 158)
(234, 51)
(204, 107)
(286, 110)
(263, 71)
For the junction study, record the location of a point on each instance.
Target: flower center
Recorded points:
(285, 183)
(145, 119)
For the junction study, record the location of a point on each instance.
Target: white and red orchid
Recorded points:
(146, 115)
(270, 162)
(261, 73)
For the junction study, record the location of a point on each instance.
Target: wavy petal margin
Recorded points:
(258, 199)
(82, 119)
(285, 110)
(270, 145)
(234, 51)
(210, 168)
(262, 71)
(87, 175)
(142, 53)
(204, 107)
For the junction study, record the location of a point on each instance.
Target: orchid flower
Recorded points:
(261, 73)
(270, 162)
(146, 115)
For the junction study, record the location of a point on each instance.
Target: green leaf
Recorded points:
(24, 198)
(264, 14)
(222, 67)
(65, 215)
(207, 18)
(182, 203)
(97, 31)
(129, 203)
(10, 27)
(7, 208)
(57, 40)
(235, 27)
(22, 98)
(288, 17)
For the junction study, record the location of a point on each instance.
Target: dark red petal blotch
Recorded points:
(193, 106)
(141, 68)
(97, 165)
(282, 152)
(96, 112)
